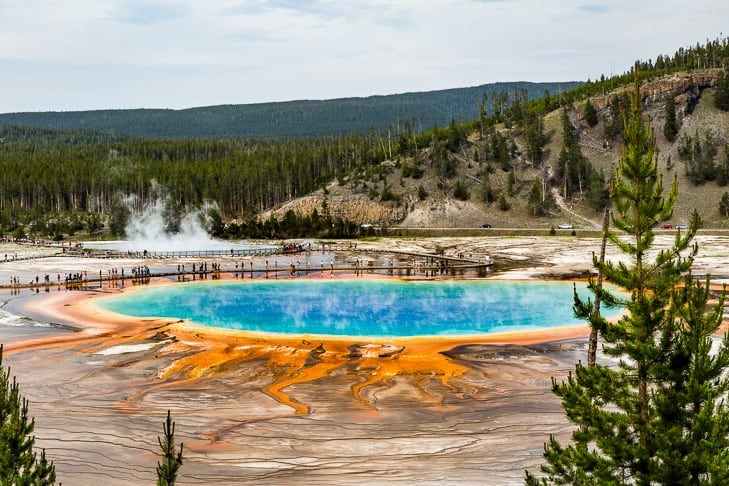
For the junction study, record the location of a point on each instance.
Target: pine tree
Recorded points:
(535, 198)
(670, 126)
(721, 97)
(487, 194)
(722, 170)
(18, 462)
(652, 418)
(691, 415)
(119, 218)
(535, 138)
(590, 114)
(503, 203)
(724, 205)
(460, 192)
(597, 192)
(171, 459)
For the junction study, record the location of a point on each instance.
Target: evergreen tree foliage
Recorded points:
(540, 199)
(670, 126)
(510, 182)
(699, 153)
(618, 108)
(569, 133)
(289, 119)
(487, 195)
(722, 170)
(171, 460)
(598, 194)
(691, 414)
(590, 114)
(658, 415)
(669, 163)
(575, 173)
(413, 171)
(19, 465)
(460, 192)
(535, 198)
(721, 97)
(503, 203)
(535, 137)
(118, 218)
(724, 205)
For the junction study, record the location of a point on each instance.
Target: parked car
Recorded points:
(565, 226)
(682, 226)
(666, 226)
(485, 225)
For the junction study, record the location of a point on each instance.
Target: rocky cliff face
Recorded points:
(685, 87)
(440, 212)
(353, 208)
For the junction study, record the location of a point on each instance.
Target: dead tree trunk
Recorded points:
(592, 349)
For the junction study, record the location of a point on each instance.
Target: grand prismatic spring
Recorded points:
(423, 404)
(368, 307)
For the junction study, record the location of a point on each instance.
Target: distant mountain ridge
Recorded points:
(291, 119)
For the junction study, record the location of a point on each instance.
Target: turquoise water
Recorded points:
(376, 308)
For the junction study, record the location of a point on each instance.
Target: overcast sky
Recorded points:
(96, 54)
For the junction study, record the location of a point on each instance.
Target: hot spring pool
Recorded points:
(374, 308)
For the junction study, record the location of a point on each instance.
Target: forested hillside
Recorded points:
(520, 162)
(293, 119)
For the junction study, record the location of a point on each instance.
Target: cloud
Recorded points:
(594, 8)
(326, 11)
(140, 12)
(303, 6)
(77, 54)
(297, 7)
(556, 53)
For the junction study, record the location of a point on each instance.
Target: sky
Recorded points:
(64, 55)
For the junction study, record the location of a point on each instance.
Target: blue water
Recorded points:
(376, 308)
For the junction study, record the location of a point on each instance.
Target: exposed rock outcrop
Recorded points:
(359, 209)
(685, 87)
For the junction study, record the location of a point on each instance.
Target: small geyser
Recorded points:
(152, 230)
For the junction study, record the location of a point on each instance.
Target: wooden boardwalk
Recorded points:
(167, 255)
(422, 265)
(117, 281)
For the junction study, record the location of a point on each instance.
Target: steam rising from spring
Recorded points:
(153, 230)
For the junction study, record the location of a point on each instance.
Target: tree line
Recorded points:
(289, 119)
(63, 181)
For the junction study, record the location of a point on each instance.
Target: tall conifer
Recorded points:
(692, 420)
(721, 96)
(171, 460)
(648, 416)
(590, 114)
(670, 126)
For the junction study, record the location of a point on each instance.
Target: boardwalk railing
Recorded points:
(163, 255)
(91, 281)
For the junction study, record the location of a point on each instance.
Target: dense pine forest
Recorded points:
(290, 119)
(59, 182)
